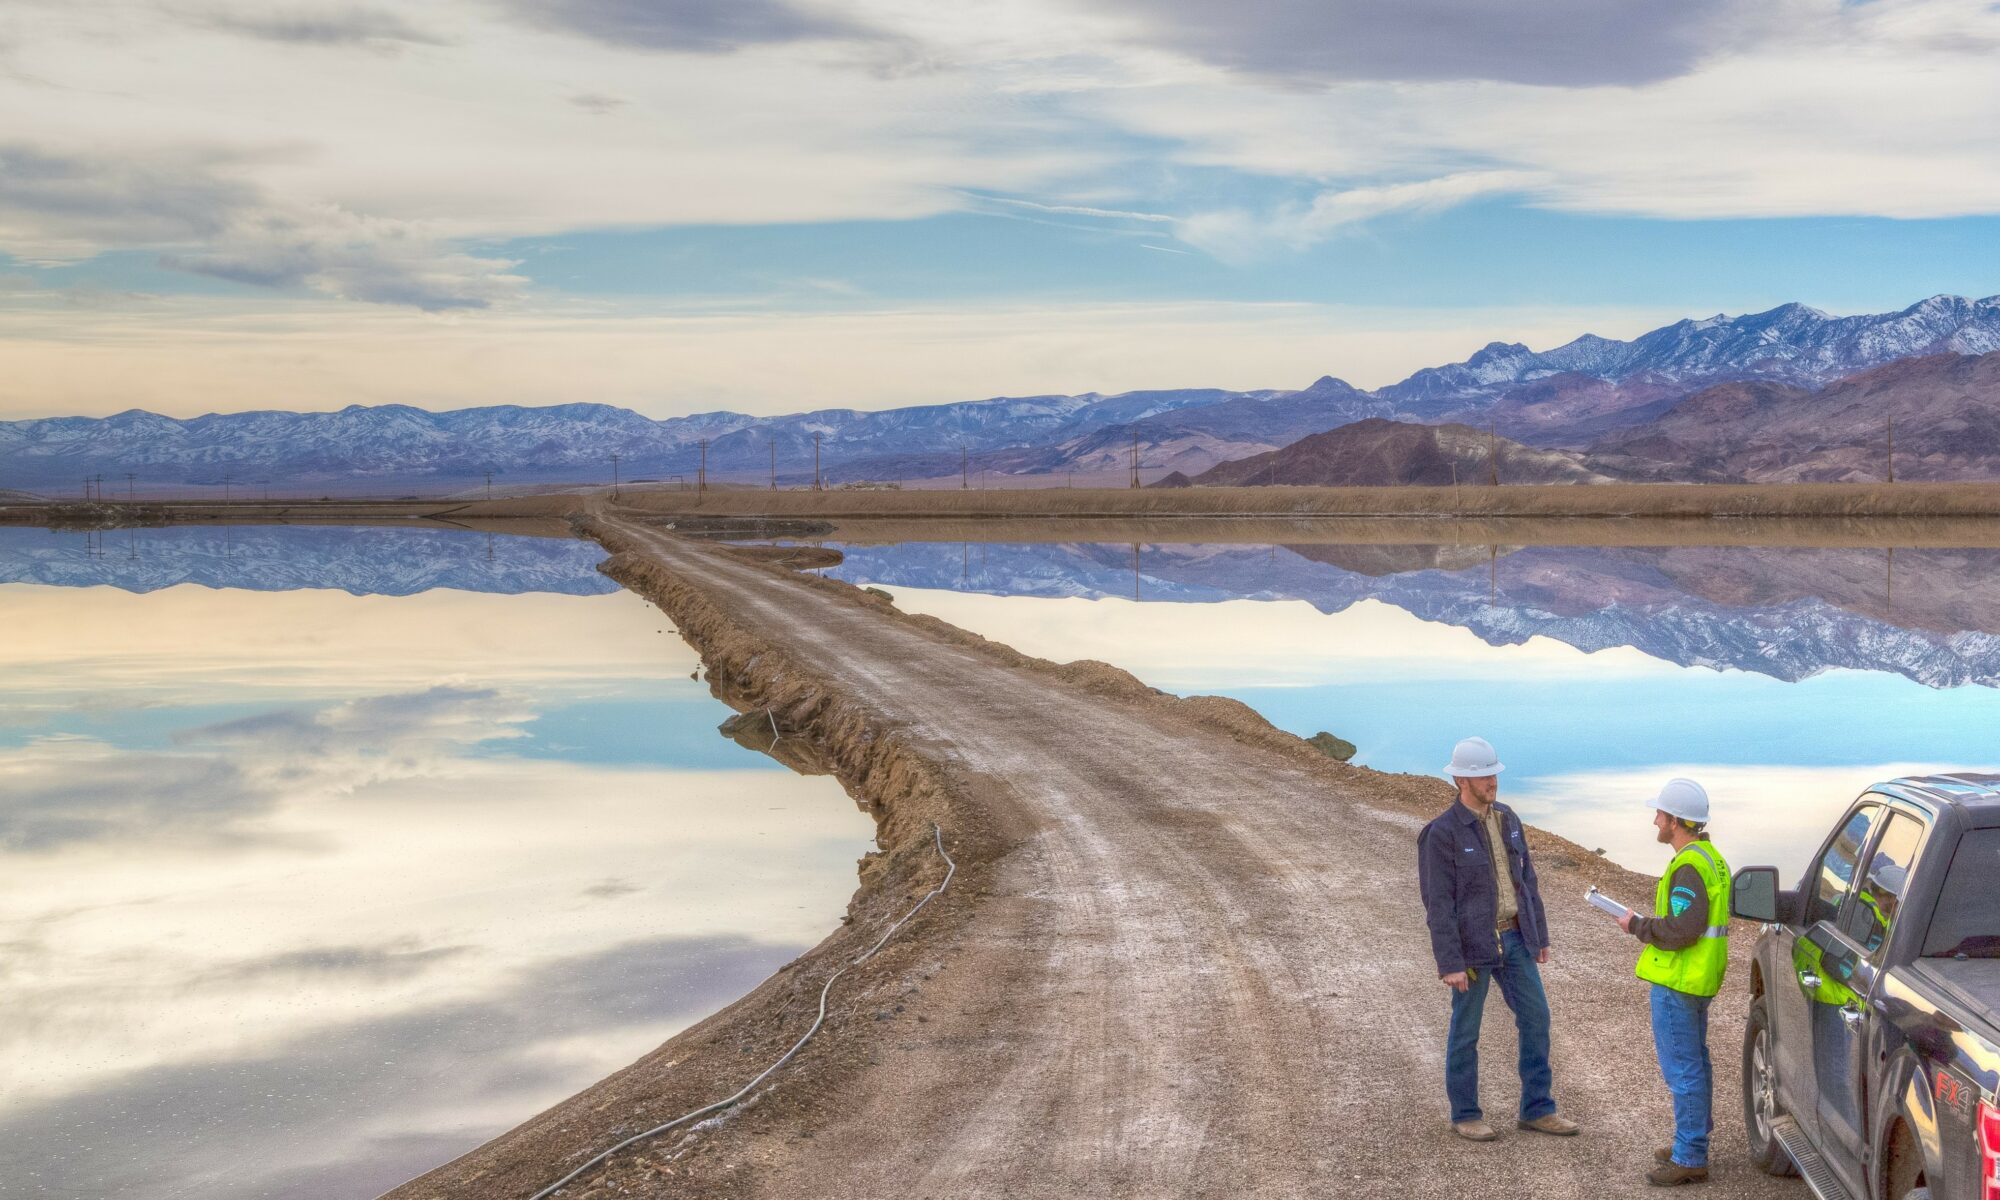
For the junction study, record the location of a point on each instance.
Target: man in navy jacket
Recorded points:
(1484, 908)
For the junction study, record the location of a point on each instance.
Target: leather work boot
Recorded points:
(1672, 1174)
(1552, 1125)
(1475, 1131)
(1663, 1155)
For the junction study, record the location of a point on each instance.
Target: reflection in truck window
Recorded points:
(1873, 913)
(1836, 869)
(1967, 919)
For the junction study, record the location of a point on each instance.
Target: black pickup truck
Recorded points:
(1871, 1060)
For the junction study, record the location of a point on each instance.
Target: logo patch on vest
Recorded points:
(1680, 900)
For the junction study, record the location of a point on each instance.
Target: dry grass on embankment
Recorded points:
(1598, 500)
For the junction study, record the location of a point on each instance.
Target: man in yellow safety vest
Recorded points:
(1686, 952)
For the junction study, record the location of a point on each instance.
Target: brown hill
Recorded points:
(1945, 409)
(1573, 409)
(1381, 453)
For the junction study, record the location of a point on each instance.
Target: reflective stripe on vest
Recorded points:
(1698, 969)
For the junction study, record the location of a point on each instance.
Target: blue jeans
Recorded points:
(1521, 984)
(1680, 1037)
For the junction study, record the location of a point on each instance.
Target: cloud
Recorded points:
(319, 25)
(694, 26)
(338, 253)
(385, 963)
(391, 1095)
(401, 725)
(611, 889)
(59, 792)
(1567, 43)
(592, 102)
(1236, 235)
(57, 207)
(62, 790)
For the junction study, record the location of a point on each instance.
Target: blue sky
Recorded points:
(781, 204)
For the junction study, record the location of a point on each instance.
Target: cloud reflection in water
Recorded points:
(303, 898)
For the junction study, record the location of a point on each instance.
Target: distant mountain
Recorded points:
(1379, 453)
(1945, 409)
(1790, 344)
(1584, 392)
(562, 442)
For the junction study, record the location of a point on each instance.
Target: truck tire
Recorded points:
(1760, 1094)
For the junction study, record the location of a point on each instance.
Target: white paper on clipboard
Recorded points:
(1603, 903)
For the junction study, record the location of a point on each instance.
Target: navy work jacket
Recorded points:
(1461, 903)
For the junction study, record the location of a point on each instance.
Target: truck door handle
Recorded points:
(1809, 981)
(1851, 1015)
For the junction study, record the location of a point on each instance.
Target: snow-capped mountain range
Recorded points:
(1565, 396)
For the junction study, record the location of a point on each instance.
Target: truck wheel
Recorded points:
(1760, 1094)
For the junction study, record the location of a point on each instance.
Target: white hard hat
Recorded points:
(1474, 758)
(1683, 798)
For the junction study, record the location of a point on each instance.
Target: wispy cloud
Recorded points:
(1568, 43)
(317, 25)
(694, 26)
(1238, 235)
(1080, 210)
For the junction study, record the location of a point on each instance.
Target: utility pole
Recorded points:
(1892, 448)
(131, 488)
(701, 472)
(1135, 458)
(614, 474)
(489, 485)
(1493, 452)
(226, 481)
(816, 482)
(774, 462)
(964, 469)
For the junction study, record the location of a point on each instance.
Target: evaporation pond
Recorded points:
(332, 853)
(1786, 679)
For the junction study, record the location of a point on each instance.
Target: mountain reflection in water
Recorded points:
(309, 892)
(1786, 678)
(359, 560)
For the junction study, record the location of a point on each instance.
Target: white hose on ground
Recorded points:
(950, 869)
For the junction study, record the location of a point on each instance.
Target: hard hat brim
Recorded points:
(1474, 772)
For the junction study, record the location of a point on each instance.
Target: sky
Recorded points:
(776, 205)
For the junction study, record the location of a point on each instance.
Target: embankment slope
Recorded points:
(1183, 957)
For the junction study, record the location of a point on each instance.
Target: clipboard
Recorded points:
(1605, 904)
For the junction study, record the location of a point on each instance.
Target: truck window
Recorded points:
(1967, 919)
(1836, 866)
(1872, 913)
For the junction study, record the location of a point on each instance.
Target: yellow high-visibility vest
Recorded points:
(1698, 969)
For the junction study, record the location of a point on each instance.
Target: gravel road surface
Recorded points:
(1200, 969)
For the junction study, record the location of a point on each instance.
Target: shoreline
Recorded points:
(1659, 503)
(905, 785)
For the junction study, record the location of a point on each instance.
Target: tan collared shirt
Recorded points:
(1503, 876)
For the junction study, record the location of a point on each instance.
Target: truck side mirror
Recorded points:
(1753, 895)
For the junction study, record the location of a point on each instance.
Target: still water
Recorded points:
(1785, 679)
(325, 860)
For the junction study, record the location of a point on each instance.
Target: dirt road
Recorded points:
(1187, 964)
